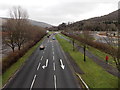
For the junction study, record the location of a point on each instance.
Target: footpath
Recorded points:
(110, 69)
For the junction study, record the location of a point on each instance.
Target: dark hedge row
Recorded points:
(100, 46)
(13, 57)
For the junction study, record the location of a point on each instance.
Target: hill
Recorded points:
(33, 22)
(102, 23)
(41, 24)
(109, 17)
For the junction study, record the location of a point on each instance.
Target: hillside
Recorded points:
(33, 22)
(109, 21)
(110, 17)
(41, 24)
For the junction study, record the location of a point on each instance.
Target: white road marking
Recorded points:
(53, 52)
(41, 58)
(55, 82)
(53, 58)
(33, 82)
(62, 65)
(45, 64)
(54, 66)
(53, 49)
(38, 66)
(83, 82)
(43, 52)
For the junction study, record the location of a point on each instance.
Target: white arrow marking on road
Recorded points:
(45, 65)
(62, 65)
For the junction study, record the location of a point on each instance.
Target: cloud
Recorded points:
(58, 11)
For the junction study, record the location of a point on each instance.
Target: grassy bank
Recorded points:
(95, 76)
(96, 52)
(10, 71)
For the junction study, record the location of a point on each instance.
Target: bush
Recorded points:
(101, 46)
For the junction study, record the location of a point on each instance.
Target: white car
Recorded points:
(42, 47)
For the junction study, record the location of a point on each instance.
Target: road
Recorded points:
(47, 68)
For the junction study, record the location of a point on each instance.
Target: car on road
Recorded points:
(42, 47)
(53, 38)
(48, 36)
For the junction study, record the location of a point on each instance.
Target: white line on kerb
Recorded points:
(55, 82)
(38, 66)
(41, 58)
(54, 66)
(33, 82)
(53, 57)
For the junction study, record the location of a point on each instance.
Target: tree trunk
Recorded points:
(13, 49)
(84, 52)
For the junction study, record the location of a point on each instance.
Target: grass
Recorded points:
(97, 52)
(102, 55)
(95, 76)
(10, 71)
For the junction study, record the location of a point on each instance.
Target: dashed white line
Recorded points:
(43, 52)
(38, 66)
(55, 82)
(33, 82)
(54, 66)
(53, 57)
(41, 58)
(53, 49)
(53, 52)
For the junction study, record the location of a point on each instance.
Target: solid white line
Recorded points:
(33, 82)
(55, 82)
(54, 66)
(41, 58)
(53, 57)
(38, 66)
(83, 81)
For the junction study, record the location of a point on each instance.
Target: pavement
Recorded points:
(47, 68)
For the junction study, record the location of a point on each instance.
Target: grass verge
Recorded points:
(10, 71)
(96, 52)
(95, 76)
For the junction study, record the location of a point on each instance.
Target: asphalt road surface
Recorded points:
(45, 69)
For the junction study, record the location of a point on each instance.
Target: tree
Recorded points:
(16, 28)
(9, 34)
(20, 17)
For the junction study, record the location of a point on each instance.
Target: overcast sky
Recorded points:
(57, 11)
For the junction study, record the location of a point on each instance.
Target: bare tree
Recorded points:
(9, 34)
(16, 28)
(20, 17)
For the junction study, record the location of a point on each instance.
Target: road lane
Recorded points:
(45, 76)
(55, 74)
(25, 75)
(65, 77)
